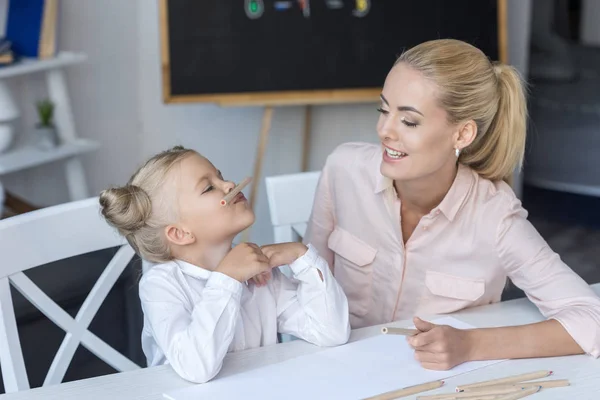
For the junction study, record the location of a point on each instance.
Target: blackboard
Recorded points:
(307, 51)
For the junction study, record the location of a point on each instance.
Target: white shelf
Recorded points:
(32, 65)
(29, 156)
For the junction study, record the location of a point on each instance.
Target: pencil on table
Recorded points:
(407, 391)
(520, 395)
(544, 384)
(234, 192)
(491, 391)
(399, 331)
(511, 379)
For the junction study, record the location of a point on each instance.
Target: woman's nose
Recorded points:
(387, 131)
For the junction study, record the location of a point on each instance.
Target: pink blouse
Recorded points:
(459, 255)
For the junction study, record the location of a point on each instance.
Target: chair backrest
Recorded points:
(290, 202)
(40, 237)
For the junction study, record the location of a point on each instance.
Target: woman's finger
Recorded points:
(421, 339)
(425, 357)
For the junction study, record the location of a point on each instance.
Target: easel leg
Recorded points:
(306, 138)
(260, 153)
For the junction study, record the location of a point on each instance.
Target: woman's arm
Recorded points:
(571, 306)
(321, 222)
(441, 347)
(543, 339)
(560, 294)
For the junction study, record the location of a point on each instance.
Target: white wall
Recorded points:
(590, 28)
(104, 97)
(117, 100)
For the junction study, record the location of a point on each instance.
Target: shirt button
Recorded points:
(437, 212)
(425, 227)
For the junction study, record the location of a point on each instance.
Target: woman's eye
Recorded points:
(409, 124)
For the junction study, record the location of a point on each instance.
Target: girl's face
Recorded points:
(199, 188)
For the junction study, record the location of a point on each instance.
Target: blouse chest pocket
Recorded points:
(445, 293)
(353, 268)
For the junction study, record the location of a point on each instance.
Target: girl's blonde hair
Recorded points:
(473, 88)
(140, 210)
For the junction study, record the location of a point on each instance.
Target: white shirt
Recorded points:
(193, 316)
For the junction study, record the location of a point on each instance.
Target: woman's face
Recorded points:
(417, 139)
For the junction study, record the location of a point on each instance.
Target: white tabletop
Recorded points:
(150, 383)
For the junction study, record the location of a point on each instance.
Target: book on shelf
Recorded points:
(31, 27)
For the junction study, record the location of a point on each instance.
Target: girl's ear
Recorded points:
(179, 236)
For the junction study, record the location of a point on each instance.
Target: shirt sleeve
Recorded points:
(548, 282)
(321, 222)
(194, 341)
(311, 308)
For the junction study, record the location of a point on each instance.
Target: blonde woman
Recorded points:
(425, 223)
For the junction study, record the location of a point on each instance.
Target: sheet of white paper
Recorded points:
(353, 371)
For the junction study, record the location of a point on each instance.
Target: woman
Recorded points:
(424, 223)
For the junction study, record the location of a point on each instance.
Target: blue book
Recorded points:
(31, 27)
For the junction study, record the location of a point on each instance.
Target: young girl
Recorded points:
(199, 300)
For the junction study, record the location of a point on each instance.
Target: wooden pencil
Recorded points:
(407, 391)
(544, 384)
(234, 192)
(492, 391)
(511, 379)
(399, 331)
(520, 395)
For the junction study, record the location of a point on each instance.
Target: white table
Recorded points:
(149, 384)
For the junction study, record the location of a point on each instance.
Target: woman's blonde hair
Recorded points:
(473, 88)
(140, 210)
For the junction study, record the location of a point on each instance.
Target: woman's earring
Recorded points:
(457, 152)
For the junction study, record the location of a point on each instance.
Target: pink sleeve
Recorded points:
(548, 282)
(321, 222)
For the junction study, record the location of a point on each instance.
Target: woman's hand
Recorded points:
(440, 347)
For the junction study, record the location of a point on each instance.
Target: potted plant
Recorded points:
(45, 132)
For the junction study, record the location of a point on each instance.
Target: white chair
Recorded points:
(290, 203)
(40, 237)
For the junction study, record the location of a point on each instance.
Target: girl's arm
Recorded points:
(194, 341)
(311, 305)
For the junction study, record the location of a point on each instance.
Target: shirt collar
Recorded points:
(453, 200)
(193, 270)
(457, 195)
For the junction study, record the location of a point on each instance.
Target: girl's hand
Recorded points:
(283, 253)
(440, 347)
(279, 254)
(244, 261)
(262, 279)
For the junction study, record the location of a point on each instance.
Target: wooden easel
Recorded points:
(263, 139)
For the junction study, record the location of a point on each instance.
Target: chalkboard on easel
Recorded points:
(270, 52)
